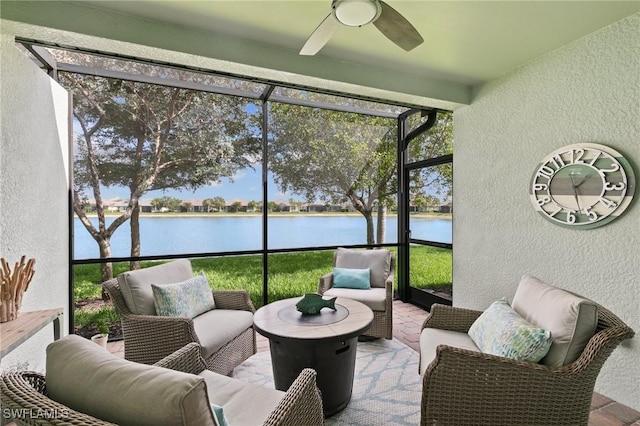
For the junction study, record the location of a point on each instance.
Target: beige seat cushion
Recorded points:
(571, 319)
(374, 298)
(243, 403)
(86, 378)
(136, 285)
(431, 338)
(218, 327)
(378, 261)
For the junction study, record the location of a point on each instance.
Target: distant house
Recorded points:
(347, 207)
(145, 205)
(230, 206)
(446, 207)
(343, 207)
(194, 205)
(318, 208)
(334, 207)
(116, 204)
(283, 206)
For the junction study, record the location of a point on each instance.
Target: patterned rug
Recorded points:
(386, 385)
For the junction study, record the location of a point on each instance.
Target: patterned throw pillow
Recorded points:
(186, 299)
(501, 331)
(352, 278)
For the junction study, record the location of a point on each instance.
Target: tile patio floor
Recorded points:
(407, 323)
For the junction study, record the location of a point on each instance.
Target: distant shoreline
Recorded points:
(274, 214)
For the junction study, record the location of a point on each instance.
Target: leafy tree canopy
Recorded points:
(148, 137)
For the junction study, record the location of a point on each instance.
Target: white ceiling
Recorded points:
(466, 42)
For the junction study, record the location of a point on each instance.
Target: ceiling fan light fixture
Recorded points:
(356, 13)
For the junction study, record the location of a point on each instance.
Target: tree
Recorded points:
(187, 205)
(436, 142)
(156, 204)
(170, 203)
(334, 155)
(147, 137)
(219, 203)
(422, 201)
(208, 204)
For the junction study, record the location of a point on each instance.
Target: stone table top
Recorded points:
(272, 323)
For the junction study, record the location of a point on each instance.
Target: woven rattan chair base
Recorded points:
(462, 387)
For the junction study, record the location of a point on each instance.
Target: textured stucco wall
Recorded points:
(588, 91)
(34, 189)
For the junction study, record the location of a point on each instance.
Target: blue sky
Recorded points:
(246, 185)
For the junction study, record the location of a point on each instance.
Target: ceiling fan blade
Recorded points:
(320, 36)
(397, 29)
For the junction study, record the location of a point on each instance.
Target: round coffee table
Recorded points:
(326, 342)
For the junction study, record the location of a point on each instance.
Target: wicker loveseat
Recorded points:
(464, 386)
(86, 385)
(225, 334)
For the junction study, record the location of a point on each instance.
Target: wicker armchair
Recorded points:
(465, 387)
(24, 394)
(379, 298)
(149, 338)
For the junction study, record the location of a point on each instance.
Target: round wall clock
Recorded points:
(582, 186)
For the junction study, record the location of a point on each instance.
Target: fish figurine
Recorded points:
(312, 303)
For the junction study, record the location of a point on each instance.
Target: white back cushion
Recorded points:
(571, 319)
(135, 286)
(378, 261)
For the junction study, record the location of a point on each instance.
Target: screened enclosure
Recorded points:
(256, 182)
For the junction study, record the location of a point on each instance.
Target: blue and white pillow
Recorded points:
(501, 331)
(186, 299)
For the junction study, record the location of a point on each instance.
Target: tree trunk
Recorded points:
(135, 237)
(382, 223)
(365, 210)
(369, 218)
(106, 269)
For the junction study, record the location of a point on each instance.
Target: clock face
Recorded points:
(582, 186)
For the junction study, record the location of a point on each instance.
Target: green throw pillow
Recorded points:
(352, 278)
(501, 331)
(218, 415)
(186, 299)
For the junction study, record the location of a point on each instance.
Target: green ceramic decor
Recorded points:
(312, 303)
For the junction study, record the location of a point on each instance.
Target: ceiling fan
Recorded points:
(356, 13)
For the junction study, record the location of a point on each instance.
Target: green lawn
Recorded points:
(290, 275)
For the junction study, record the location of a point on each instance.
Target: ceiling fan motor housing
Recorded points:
(356, 13)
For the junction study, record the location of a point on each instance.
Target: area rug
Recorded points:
(386, 386)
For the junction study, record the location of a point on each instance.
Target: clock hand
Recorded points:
(575, 190)
(582, 181)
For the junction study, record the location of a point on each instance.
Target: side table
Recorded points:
(16, 332)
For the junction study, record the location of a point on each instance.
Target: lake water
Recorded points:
(197, 234)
